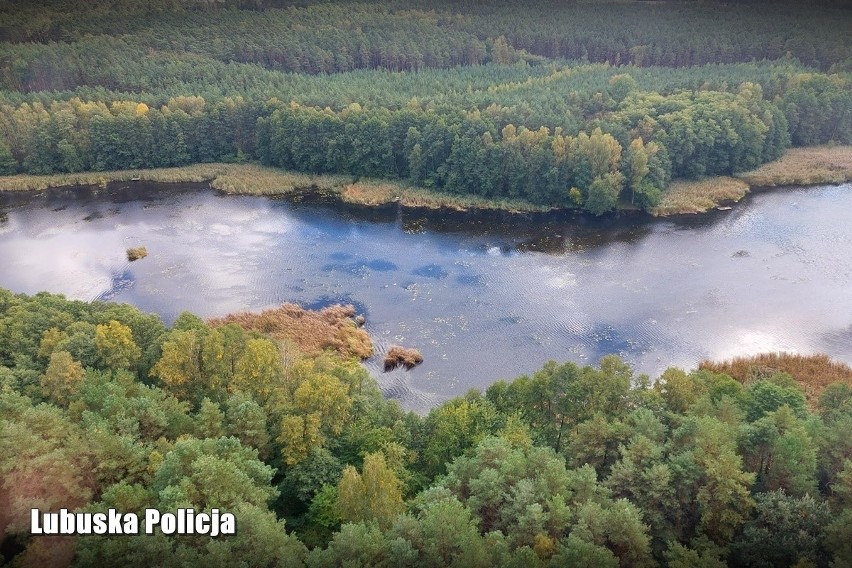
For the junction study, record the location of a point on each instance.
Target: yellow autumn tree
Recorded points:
(373, 495)
(179, 367)
(298, 435)
(62, 377)
(258, 370)
(115, 346)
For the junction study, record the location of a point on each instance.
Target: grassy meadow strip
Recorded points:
(816, 165)
(804, 166)
(253, 179)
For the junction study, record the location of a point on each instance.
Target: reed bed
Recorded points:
(398, 356)
(136, 253)
(813, 372)
(804, 166)
(312, 331)
(698, 196)
(798, 166)
(254, 179)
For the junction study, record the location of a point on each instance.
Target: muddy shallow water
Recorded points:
(483, 296)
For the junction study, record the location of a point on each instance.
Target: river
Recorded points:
(482, 296)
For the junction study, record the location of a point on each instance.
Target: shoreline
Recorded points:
(254, 179)
(798, 167)
(818, 165)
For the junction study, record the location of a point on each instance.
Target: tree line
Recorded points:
(593, 149)
(325, 37)
(482, 108)
(106, 407)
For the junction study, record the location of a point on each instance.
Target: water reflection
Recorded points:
(483, 296)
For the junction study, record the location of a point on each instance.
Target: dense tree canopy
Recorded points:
(102, 406)
(593, 105)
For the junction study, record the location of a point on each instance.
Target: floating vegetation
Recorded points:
(136, 253)
(398, 356)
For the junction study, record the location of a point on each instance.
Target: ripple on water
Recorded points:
(470, 280)
(481, 300)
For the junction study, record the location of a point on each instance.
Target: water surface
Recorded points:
(482, 296)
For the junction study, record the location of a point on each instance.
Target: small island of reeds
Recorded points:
(398, 356)
(136, 253)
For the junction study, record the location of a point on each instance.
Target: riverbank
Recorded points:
(253, 179)
(798, 167)
(813, 372)
(815, 165)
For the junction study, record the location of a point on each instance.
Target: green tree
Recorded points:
(62, 378)
(373, 495)
(603, 193)
(786, 531)
(620, 86)
(115, 346)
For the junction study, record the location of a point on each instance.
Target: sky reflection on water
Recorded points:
(482, 296)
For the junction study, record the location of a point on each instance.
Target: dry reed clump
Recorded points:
(813, 372)
(251, 179)
(370, 193)
(804, 166)
(398, 356)
(135, 253)
(380, 192)
(698, 196)
(312, 331)
(428, 199)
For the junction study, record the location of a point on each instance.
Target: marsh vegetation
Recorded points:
(398, 356)
(136, 253)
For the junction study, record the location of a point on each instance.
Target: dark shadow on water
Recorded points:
(434, 271)
(59, 198)
(121, 281)
(556, 232)
(381, 265)
(470, 279)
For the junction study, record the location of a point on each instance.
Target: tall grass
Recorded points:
(379, 192)
(253, 179)
(798, 166)
(312, 331)
(229, 178)
(698, 196)
(804, 166)
(398, 356)
(813, 372)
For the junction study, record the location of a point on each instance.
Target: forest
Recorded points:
(587, 104)
(591, 105)
(103, 406)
